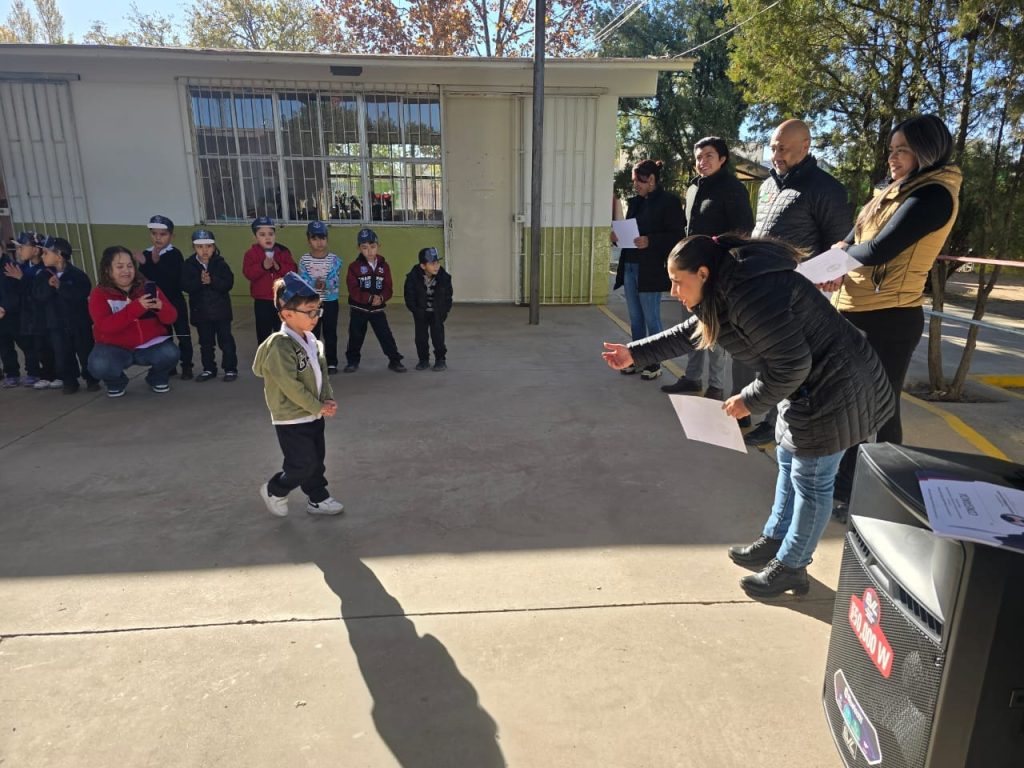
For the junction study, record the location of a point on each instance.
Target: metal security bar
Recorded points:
(301, 151)
(41, 164)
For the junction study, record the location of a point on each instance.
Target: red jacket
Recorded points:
(261, 281)
(365, 283)
(126, 327)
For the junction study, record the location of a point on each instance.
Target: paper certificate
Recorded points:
(704, 420)
(626, 232)
(974, 511)
(827, 266)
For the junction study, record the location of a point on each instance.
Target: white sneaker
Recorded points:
(57, 384)
(329, 506)
(276, 505)
(43, 384)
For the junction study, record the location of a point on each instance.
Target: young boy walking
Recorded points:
(207, 279)
(369, 288)
(299, 395)
(266, 261)
(162, 263)
(428, 295)
(322, 270)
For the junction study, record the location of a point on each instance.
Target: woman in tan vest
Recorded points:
(896, 237)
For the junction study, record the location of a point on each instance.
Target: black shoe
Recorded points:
(92, 386)
(331, 370)
(440, 365)
(396, 366)
(840, 511)
(682, 387)
(186, 373)
(775, 579)
(206, 376)
(350, 368)
(629, 370)
(70, 389)
(762, 434)
(422, 365)
(760, 553)
(650, 373)
(714, 393)
(230, 375)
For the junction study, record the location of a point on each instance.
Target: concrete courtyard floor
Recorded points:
(530, 571)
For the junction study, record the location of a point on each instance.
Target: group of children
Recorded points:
(44, 302)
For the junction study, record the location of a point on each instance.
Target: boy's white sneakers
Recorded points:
(276, 505)
(329, 506)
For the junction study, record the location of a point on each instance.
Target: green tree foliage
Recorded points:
(687, 106)
(264, 25)
(21, 25)
(152, 29)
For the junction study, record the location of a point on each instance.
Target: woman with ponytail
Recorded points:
(830, 387)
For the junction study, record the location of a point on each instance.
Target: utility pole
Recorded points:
(538, 156)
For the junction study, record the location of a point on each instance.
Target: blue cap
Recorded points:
(160, 222)
(296, 286)
(26, 238)
(58, 245)
(317, 228)
(203, 237)
(429, 255)
(366, 236)
(262, 221)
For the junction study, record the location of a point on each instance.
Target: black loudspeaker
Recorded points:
(926, 656)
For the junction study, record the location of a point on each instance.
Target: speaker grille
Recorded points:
(901, 707)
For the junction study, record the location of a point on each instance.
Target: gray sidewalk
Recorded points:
(531, 571)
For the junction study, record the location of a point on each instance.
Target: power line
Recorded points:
(726, 32)
(617, 21)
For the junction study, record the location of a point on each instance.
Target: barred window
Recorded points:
(311, 154)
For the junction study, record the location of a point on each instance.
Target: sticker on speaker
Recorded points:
(857, 730)
(866, 622)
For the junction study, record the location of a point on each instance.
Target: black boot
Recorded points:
(682, 387)
(758, 554)
(775, 579)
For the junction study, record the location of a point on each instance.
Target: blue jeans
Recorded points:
(803, 504)
(644, 306)
(108, 363)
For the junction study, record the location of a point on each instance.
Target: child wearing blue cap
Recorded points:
(299, 396)
(39, 364)
(207, 279)
(161, 263)
(265, 262)
(428, 295)
(322, 269)
(369, 288)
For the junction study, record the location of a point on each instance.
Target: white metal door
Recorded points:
(41, 165)
(480, 194)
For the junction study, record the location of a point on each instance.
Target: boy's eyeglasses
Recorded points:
(312, 314)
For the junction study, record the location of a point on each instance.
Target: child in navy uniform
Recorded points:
(61, 292)
(39, 371)
(162, 264)
(207, 279)
(428, 295)
(10, 322)
(369, 288)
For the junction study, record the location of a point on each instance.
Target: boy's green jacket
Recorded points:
(289, 383)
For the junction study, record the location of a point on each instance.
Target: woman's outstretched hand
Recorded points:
(617, 356)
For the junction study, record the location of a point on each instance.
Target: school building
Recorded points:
(425, 150)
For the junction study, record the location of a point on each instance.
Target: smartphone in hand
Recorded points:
(150, 288)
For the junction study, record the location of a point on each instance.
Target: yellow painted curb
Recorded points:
(960, 427)
(1000, 380)
(674, 369)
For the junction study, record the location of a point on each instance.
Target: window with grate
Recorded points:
(305, 154)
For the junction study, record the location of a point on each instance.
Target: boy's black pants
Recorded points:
(183, 335)
(303, 467)
(219, 332)
(429, 325)
(327, 331)
(357, 322)
(71, 354)
(267, 320)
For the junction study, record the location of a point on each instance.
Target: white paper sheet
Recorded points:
(626, 231)
(974, 511)
(703, 419)
(827, 266)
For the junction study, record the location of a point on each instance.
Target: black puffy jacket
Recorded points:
(212, 302)
(806, 208)
(717, 204)
(660, 218)
(416, 292)
(830, 386)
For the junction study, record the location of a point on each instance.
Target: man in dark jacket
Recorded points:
(716, 203)
(802, 205)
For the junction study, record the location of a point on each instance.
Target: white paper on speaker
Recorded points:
(704, 420)
(974, 510)
(833, 263)
(626, 232)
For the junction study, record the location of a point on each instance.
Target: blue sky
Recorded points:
(79, 14)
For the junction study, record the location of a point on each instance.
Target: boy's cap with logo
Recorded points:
(57, 245)
(366, 236)
(160, 222)
(262, 221)
(318, 228)
(26, 238)
(203, 237)
(296, 286)
(429, 255)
